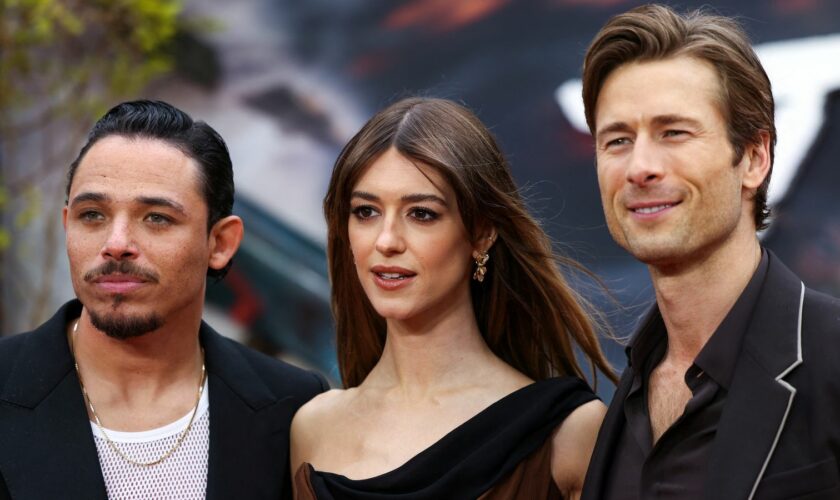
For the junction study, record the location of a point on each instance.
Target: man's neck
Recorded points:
(694, 299)
(142, 382)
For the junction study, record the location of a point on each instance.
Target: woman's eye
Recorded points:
(364, 212)
(423, 214)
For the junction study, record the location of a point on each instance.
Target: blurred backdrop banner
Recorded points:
(287, 83)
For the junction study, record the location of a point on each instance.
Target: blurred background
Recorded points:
(287, 83)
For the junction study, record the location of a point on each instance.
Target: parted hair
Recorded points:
(527, 313)
(656, 32)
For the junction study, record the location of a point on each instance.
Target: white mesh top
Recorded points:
(181, 476)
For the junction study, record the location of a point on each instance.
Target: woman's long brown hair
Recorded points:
(528, 314)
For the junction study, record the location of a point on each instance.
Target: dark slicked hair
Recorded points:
(195, 139)
(656, 32)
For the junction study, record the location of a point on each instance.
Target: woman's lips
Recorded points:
(392, 278)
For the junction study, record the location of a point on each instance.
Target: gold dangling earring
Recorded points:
(480, 266)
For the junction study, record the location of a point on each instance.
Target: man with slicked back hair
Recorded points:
(126, 392)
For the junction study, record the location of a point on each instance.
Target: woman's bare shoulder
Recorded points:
(315, 421)
(572, 446)
(323, 409)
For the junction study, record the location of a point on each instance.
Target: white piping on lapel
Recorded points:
(789, 388)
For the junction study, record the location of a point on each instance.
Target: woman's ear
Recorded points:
(486, 239)
(225, 237)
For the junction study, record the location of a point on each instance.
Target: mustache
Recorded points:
(122, 267)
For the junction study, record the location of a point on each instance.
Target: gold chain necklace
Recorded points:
(112, 444)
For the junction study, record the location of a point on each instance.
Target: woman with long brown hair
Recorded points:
(456, 330)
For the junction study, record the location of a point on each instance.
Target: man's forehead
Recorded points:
(680, 67)
(116, 141)
(661, 89)
(126, 163)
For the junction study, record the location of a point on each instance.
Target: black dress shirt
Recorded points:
(676, 466)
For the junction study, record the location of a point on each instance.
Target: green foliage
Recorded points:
(67, 61)
(5, 239)
(101, 49)
(31, 207)
(63, 63)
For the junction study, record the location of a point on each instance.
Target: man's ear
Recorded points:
(757, 158)
(225, 237)
(484, 242)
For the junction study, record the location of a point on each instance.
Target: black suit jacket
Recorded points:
(46, 444)
(779, 433)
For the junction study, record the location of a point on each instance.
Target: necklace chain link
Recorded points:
(108, 440)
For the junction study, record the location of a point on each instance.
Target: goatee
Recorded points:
(125, 327)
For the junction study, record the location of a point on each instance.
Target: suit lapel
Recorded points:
(759, 398)
(52, 433)
(240, 425)
(66, 451)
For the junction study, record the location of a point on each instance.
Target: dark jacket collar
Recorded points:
(43, 368)
(229, 366)
(720, 354)
(43, 360)
(760, 398)
(757, 403)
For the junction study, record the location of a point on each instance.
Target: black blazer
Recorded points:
(46, 444)
(779, 433)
